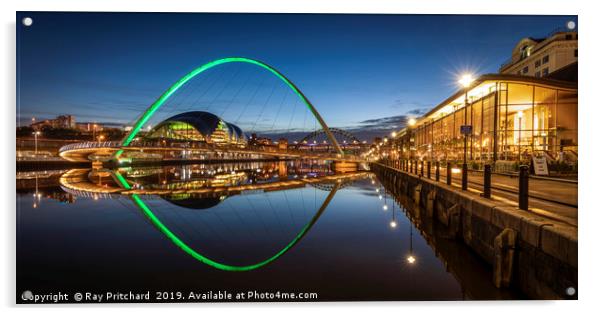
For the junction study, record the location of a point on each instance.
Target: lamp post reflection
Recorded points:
(385, 207)
(393, 223)
(36, 195)
(411, 258)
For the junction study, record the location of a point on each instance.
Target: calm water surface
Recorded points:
(289, 227)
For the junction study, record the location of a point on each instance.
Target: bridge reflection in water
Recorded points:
(205, 193)
(288, 226)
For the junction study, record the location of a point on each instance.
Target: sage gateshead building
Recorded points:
(198, 126)
(506, 117)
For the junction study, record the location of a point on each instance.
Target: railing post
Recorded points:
(448, 180)
(437, 171)
(523, 188)
(422, 168)
(487, 181)
(428, 169)
(464, 176)
(416, 167)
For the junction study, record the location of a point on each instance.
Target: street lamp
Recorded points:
(520, 126)
(94, 131)
(466, 81)
(35, 138)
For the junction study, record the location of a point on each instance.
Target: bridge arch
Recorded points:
(333, 131)
(172, 89)
(215, 264)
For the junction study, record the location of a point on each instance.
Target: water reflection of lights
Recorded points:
(411, 258)
(393, 224)
(456, 170)
(380, 196)
(385, 207)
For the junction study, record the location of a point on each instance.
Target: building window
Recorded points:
(575, 53)
(525, 52)
(545, 59)
(526, 69)
(538, 74)
(568, 36)
(544, 72)
(537, 63)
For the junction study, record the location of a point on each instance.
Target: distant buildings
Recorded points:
(61, 121)
(68, 121)
(539, 57)
(255, 140)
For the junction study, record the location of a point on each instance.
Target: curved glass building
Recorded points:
(198, 126)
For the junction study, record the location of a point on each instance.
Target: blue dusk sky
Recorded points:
(360, 71)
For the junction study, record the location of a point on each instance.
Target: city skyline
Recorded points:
(384, 67)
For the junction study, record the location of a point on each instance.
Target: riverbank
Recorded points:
(535, 254)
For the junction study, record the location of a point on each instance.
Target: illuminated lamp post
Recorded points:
(520, 126)
(466, 81)
(411, 124)
(35, 141)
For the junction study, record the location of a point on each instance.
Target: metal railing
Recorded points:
(87, 145)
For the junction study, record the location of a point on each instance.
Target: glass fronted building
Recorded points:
(512, 118)
(198, 126)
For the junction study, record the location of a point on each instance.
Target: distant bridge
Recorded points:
(348, 137)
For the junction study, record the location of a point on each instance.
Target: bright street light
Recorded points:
(466, 80)
(412, 121)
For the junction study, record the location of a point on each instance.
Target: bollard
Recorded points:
(428, 169)
(464, 176)
(422, 168)
(437, 171)
(448, 179)
(523, 188)
(487, 181)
